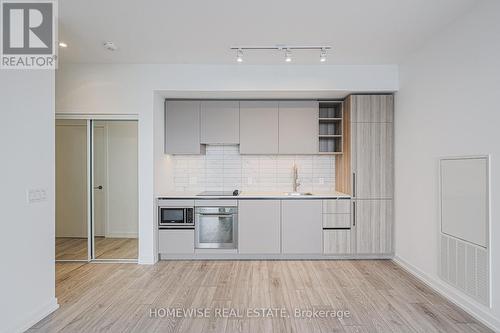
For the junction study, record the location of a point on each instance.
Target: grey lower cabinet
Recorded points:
(301, 226)
(173, 241)
(373, 225)
(182, 127)
(259, 127)
(220, 122)
(337, 241)
(298, 127)
(259, 226)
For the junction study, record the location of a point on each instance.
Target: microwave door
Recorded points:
(172, 216)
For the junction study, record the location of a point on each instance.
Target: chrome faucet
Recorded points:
(296, 182)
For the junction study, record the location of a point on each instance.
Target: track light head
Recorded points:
(322, 56)
(288, 55)
(239, 55)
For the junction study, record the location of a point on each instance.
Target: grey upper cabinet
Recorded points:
(372, 108)
(298, 127)
(259, 127)
(374, 226)
(302, 226)
(220, 122)
(182, 127)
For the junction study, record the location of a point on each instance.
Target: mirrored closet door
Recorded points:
(96, 190)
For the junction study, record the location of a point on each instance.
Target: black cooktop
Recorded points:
(219, 193)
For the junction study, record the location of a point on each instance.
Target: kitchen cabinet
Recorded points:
(302, 226)
(259, 127)
(298, 127)
(259, 227)
(336, 241)
(176, 241)
(372, 159)
(220, 122)
(372, 108)
(373, 224)
(182, 127)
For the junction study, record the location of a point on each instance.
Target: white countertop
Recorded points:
(253, 195)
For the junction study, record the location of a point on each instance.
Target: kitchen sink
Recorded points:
(297, 194)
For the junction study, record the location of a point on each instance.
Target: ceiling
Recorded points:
(201, 32)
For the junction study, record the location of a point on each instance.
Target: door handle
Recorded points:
(354, 213)
(98, 187)
(354, 184)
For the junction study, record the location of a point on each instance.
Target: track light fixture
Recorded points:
(286, 48)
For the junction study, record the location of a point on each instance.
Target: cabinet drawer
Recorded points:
(336, 220)
(341, 206)
(336, 241)
(176, 241)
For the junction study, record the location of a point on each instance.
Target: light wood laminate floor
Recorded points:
(68, 248)
(379, 295)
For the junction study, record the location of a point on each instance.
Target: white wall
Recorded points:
(27, 279)
(447, 105)
(129, 89)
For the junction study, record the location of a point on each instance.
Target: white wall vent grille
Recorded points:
(464, 202)
(465, 266)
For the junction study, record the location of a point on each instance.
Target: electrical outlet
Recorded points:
(321, 181)
(36, 195)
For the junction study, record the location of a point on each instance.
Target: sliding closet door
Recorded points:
(115, 189)
(72, 228)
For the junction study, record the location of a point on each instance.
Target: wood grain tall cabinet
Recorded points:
(366, 170)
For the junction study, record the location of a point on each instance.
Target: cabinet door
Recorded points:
(302, 228)
(259, 227)
(259, 127)
(336, 241)
(182, 127)
(372, 221)
(372, 160)
(176, 241)
(220, 122)
(372, 108)
(298, 127)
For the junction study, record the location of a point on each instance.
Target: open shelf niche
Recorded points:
(330, 119)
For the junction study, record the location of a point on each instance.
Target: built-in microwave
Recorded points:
(172, 217)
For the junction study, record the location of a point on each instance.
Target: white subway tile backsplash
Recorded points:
(222, 168)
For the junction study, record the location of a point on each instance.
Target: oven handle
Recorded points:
(220, 215)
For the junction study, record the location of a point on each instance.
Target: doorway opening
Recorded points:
(96, 190)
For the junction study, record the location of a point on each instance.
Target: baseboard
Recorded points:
(26, 322)
(121, 235)
(456, 297)
(147, 261)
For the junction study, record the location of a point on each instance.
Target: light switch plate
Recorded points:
(36, 195)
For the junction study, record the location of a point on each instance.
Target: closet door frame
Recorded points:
(90, 179)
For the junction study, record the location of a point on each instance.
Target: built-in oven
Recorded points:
(175, 217)
(216, 227)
